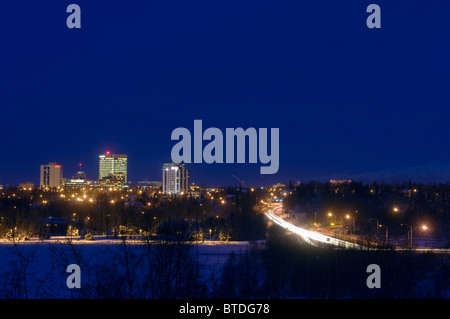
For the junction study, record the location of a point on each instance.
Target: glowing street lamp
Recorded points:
(330, 214)
(424, 227)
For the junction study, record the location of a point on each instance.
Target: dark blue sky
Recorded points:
(346, 98)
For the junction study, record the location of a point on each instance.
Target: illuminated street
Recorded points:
(320, 240)
(311, 237)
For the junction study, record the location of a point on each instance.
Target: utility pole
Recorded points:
(387, 238)
(409, 232)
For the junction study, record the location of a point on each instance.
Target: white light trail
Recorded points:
(311, 237)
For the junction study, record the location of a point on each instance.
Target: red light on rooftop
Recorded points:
(107, 152)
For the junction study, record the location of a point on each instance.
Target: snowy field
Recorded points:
(37, 269)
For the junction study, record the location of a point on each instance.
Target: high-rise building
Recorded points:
(112, 164)
(51, 175)
(175, 178)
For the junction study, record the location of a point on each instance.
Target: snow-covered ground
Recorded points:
(45, 262)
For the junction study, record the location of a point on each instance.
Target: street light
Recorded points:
(210, 230)
(330, 214)
(410, 231)
(424, 227)
(387, 239)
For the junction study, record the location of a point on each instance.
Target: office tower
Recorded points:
(51, 175)
(112, 164)
(175, 179)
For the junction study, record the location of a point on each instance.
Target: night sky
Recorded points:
(347, 99)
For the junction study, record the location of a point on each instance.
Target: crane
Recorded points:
(241, 181)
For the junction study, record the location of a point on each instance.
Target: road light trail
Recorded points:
(314, 238)
(311, 237)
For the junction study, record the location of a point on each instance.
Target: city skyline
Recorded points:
(431, 173)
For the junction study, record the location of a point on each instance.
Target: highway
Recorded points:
(311, 237)
(317, 239)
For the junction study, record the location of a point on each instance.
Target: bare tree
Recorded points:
(21, 282)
